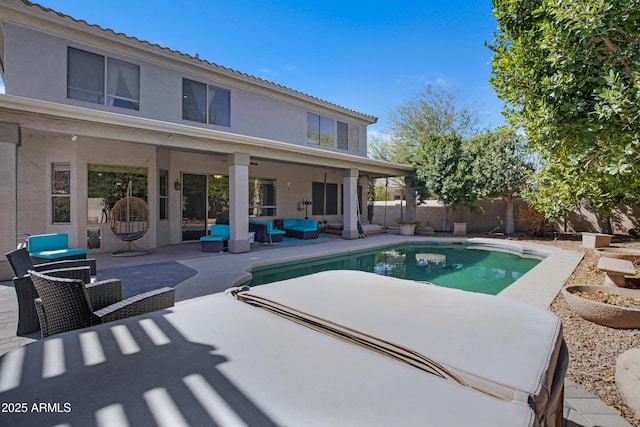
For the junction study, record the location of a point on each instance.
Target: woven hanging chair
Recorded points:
(130, 221)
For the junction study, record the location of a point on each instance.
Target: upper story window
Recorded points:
(319, 130)
(206, 103)
(95, 78)
(348, 137)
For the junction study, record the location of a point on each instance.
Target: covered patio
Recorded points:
(96, 143)
(175, 165)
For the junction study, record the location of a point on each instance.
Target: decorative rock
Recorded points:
(628, 379)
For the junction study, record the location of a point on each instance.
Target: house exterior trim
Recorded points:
(172, 135)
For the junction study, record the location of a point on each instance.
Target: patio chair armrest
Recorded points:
(104, 293)
(146, 302)
(88, 262)
(81, 273)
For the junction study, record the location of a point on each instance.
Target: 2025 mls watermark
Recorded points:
(35, 407)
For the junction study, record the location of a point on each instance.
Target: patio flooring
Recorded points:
(194, 273)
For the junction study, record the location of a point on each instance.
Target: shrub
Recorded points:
(533, 221)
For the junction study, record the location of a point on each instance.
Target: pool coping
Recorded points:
(539, 286)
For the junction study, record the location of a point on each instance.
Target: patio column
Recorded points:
(350, 204)
(410, 197)
(9, 143)
(239, 202)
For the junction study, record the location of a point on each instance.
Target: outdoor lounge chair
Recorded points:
(101, 293)
(21, 263)
(65, 304)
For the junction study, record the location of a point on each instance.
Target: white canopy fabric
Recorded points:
(218, 360)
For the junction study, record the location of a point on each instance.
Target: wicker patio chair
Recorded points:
(101, 294)
(64, 304)
(21, 262)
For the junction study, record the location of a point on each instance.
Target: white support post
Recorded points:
(350, 202)
(9, 143)
(239, 203)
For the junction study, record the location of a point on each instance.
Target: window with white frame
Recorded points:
(60, 193)
(319, 130)
(348, 137)
(206, 103)
(163, 195)
(324, 198)
(91, 76)
(262, 197)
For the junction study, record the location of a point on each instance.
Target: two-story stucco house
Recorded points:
(88, 110)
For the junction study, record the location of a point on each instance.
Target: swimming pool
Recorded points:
(471, 267)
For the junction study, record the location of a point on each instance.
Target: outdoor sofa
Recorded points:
(301, 228)
(52, 247)
(266, 232)
(216, 239)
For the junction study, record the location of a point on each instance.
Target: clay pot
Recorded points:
(602, 313)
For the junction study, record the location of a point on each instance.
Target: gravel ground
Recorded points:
(593, 349)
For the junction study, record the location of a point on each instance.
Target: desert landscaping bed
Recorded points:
(593, 349)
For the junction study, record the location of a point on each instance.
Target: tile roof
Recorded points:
(219, 68)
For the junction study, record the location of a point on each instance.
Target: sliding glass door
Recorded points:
(205, 200)
(194, 206)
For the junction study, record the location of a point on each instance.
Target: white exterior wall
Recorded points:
(37, 154)
(40, 149)
(36, 67)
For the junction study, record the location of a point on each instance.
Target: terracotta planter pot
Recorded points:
(601, 313)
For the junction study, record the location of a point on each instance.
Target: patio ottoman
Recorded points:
(212, 243)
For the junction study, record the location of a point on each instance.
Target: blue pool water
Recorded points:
(463, 266)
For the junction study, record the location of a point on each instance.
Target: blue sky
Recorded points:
(369, 56)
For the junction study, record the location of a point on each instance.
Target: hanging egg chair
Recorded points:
(130, 222)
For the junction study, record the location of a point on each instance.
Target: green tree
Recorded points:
(443, 166)
(381, 194)
(436, 111)
(218, 198)
(569, 75)
(501, 165)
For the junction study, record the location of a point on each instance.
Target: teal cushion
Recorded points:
(46, 242)
(58, 253)
(213, 238)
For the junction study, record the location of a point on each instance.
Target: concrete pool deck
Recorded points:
(204, 273)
